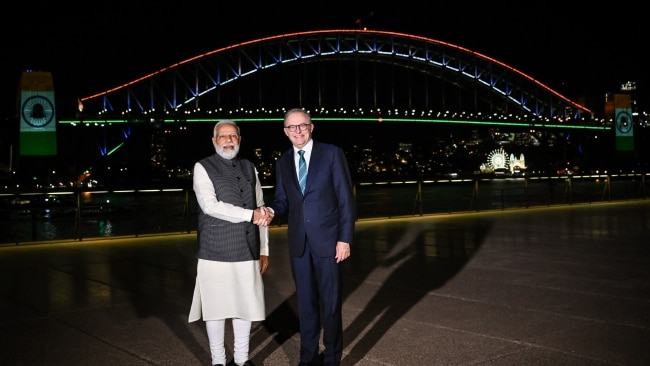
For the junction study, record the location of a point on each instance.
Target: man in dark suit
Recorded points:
(320, 231)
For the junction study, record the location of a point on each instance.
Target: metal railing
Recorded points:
(82, 213)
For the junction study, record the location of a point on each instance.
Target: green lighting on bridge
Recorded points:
(517, 123)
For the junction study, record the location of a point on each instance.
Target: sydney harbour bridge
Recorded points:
(355, 72)
(347, 76)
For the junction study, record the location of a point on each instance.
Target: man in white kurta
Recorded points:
(233, 245)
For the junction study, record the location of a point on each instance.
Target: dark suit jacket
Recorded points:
(327, 212)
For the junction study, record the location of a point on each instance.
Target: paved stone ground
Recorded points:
(545, 286)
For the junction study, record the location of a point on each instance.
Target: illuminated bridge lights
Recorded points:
(429, 56)
(353, 116)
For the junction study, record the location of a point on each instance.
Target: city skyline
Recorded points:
(374, 150)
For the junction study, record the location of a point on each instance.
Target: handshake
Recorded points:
(262, 216)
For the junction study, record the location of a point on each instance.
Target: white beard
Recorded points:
(227, 154)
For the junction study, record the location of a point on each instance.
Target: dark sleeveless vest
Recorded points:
(224, 241)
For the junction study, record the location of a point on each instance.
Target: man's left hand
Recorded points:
(264, 263)
(342, 251)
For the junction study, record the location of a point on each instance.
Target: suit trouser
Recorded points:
(318, 289)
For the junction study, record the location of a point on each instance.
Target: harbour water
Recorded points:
(82, 213)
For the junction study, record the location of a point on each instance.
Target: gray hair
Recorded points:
(297, 110)
(224, 122)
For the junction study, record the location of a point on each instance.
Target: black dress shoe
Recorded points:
(313, 363)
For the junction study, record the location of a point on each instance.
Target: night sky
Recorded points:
(576, 51)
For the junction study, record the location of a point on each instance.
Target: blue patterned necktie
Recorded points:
(302, 171)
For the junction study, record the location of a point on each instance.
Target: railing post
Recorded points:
(77, 215)
(418, 197)
(135, 211)
(527, 202)
(607, 189)
(474, 194)
(186, 211)
(568, 189)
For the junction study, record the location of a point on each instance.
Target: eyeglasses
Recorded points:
(232, 136)
(301, 127)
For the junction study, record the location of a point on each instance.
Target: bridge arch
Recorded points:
(363, 71)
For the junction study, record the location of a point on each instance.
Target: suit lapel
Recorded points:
(292, 169)
(315, 162)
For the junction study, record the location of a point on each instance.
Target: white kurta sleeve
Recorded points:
(210, 205)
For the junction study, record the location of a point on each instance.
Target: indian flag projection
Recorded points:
(623, 122)
(37, 114)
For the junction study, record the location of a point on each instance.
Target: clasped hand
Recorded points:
(262, 216)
